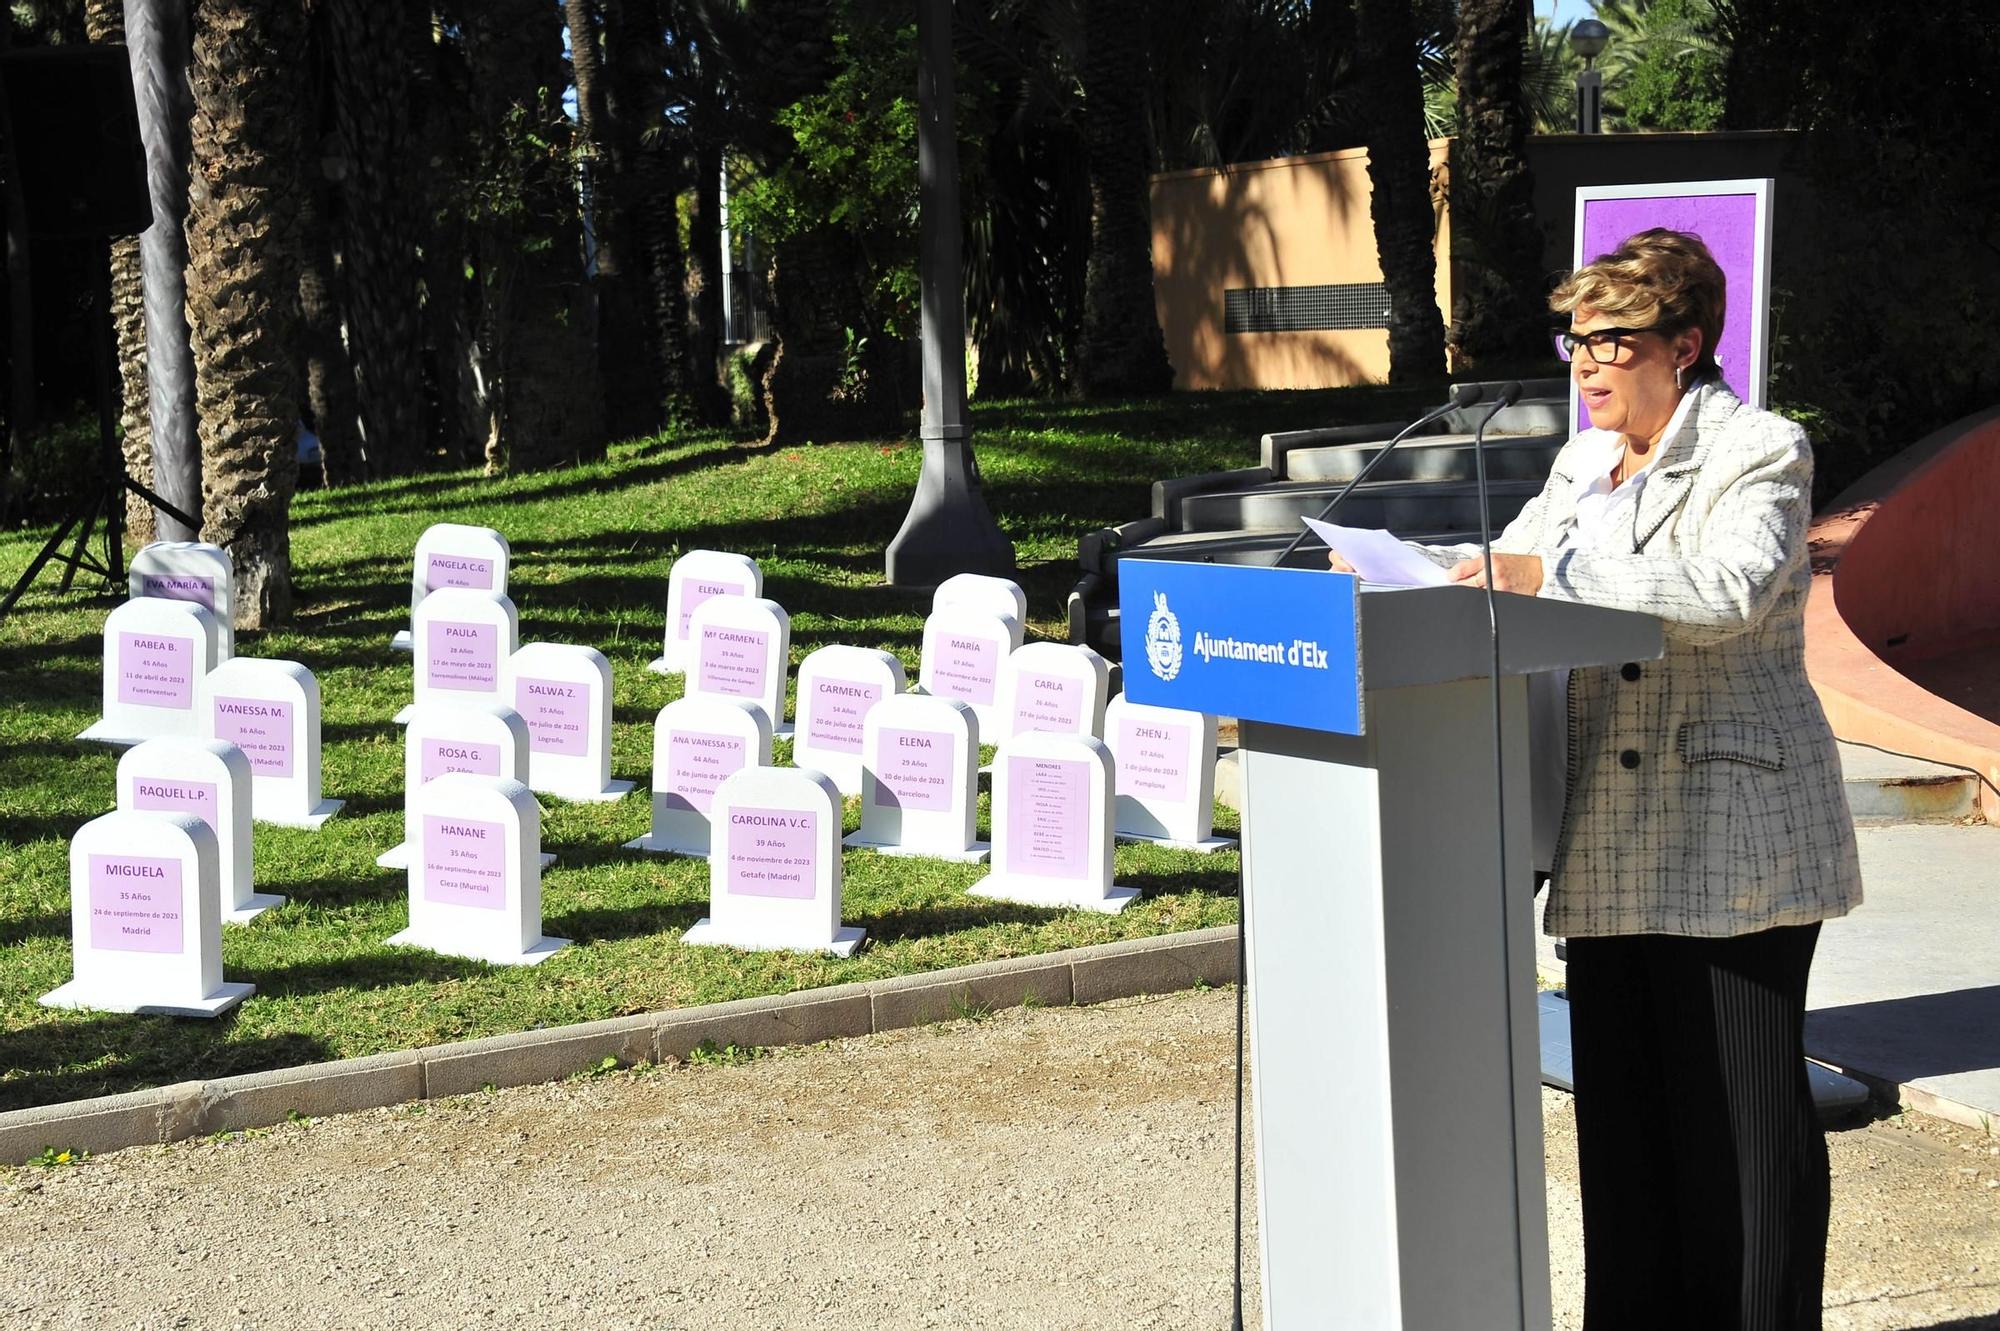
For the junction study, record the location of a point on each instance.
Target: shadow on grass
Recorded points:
(376, 968)
(104, 1054)
(901, 922)
(609, 924)
(1173, 882)
(41, 924)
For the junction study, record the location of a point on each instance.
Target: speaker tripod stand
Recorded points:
(107, 495)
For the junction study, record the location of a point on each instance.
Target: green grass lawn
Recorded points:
(592, 546)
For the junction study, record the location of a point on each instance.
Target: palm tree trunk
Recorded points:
(1121, 350)
(243, 287)
(329, 374)
(104, 22)
(1399, 178)
(377, 232)
(1497, 280)
(708, 270)
(531, 255)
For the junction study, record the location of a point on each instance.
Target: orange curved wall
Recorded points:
(1917, 578)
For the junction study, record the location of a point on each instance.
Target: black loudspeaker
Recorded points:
(76, 140)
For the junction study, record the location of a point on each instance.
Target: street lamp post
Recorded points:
(949, 528)
(1587, 39)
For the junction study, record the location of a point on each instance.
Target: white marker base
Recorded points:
(402, 718)
(845, 940)
(617, 790)
(544, 948)
(312, 822)
(99, 733)
(402, 642)
(1208, 847)
(258, 903)
(977, 853)
(73, 995)
(653, 845)
(660, 665)
(1026, 891)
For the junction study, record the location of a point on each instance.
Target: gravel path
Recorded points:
(1063, 1169)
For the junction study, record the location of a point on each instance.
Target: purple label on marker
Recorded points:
(914, 769)
(135, 903)
(458, 571)
(439, 756)
(696, 590)
(1048, 817)
(1153, 759)
(464, 657)
(772, 853)
(155, 671)
(465, 862)
(697, 763)
(1048, 702)
(558, 715)
(159, 794)
(732, 661)
(261, 728)
(834, 712)
(179, 587)
(963, 666)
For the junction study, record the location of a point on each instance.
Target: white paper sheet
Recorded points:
(1379, 557)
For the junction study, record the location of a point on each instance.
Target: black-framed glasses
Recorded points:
(1603, 344)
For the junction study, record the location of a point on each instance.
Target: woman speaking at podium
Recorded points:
(1701, 835)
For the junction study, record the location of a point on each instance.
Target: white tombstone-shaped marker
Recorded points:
(450, 554)
(476, 872)
(190, 571)
(156, 653)
(695, 577)
(270, 710)
(1163, 760)
(463, 641)
(211, 780)
(1053, 686)
(698, 743)
(145, 917)
(774, 871)
(919, 779)
(837, 687)
(483, 738)
(964, 651)
(981, 591)
(563, 693)
(1052, 825)
(740, 647)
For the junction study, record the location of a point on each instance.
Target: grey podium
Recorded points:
(1395, 1055)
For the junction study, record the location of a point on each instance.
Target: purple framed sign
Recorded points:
(1733, 217)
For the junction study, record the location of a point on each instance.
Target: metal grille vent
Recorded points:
(1305, 309)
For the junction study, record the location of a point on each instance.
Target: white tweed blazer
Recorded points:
(1704, 788)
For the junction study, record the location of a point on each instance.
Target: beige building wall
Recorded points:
(1288, 222)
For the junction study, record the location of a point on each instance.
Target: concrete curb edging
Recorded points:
(161, 1114)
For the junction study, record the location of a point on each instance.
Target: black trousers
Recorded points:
(1702, 1164)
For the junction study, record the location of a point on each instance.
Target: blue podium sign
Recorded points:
(1265, 644)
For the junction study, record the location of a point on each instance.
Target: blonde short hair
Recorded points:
(1656, 279)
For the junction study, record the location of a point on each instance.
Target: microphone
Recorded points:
(1509, 394)
(1465, 395)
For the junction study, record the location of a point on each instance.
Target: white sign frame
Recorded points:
(174, 760)
(715, 566)
(187, 983)
(1058, 660)
(127, 723)
(983, 591)
(951, 833)
(677, 831)
(510, 935)
(200, 559)
(1091, 889)
(283, 801)
(460, 605)
(585, 777)
(452, 539)
(1002, 629)
(752, 614)
(474, 723)
(1185, 824)
(778, 924)
(840, 664)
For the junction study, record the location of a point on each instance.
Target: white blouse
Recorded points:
(1600, 509)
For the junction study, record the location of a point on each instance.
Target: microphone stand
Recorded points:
(1507, 397)
(1465, 395)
